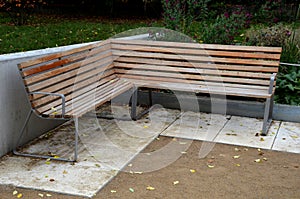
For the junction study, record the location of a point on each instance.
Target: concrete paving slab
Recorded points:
(288, 138)
(197, 126)
(106, 146)
(243, 131)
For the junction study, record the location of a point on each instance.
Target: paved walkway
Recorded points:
(109, 145)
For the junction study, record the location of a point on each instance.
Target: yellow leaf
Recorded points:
(15, 192)
(192, 170)
(146, 126)
(48, 195)
(56, 157)
(265, 159)
(183, 152)
(150, 188)
(238, 165)
(19, 195)
(41, 195)
(257, 160)
(113, 191)
(237, 149)
(65, 172)
(262, 139)
(294, 136)
(236, 157)
(175, 182)
(131, 190)
(138, 172)
(210, 166)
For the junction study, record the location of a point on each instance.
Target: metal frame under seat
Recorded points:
(54, 118)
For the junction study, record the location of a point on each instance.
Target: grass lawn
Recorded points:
(47, 31)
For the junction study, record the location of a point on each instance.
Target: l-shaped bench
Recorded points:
(67, 85)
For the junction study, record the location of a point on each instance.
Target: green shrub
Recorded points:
(179, 15)
(225, 28)
(288, 85)
(275, 35)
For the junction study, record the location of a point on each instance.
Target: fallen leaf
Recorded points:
(256, 134)
(146, 126)
(130, 165)
(231, 134)
(238, 165)
(174, 139)
(262, 139)
(182, 143)
(113, 191)
(65, 172)
(175, 182)
(245, 149)
(265, 159)
(97, 165)
(210, 166)
(48, 195)
(236, 157)
(48, 161)
(257, 160)
(138, 172)
(222, 155)
(41, 195)
(15, 192)
(150, 188)
(157, 138)
(183, 152)
(259, 150)
(131, 190)
(192, 170)
(294, 136)
(210, 161)
(237, 149)
(51, 180)
(19, 195)
(56, 157)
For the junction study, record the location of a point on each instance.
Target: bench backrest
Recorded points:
(244, 67)
(71, 73)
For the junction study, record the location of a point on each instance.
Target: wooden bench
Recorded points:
(66, 85)
(69, 84)
(244, 71)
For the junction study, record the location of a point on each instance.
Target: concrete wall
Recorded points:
(13, 100)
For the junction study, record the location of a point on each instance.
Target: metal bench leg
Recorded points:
(15, 152)
(268, 115)
(134, 101)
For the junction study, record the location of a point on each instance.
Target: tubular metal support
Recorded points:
(45, 156)
(63, 99)
(269, 107)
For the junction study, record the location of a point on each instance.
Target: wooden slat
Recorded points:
(195, 71)
(118, 60)
(71, 91)
(194, 77)
(197, 58)
(79, 92)
(202, 52)
(195, 88)
(61, 54)
(78, 58)
(65, 69)
(199, 46)
(193, 82)
(71, 77)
